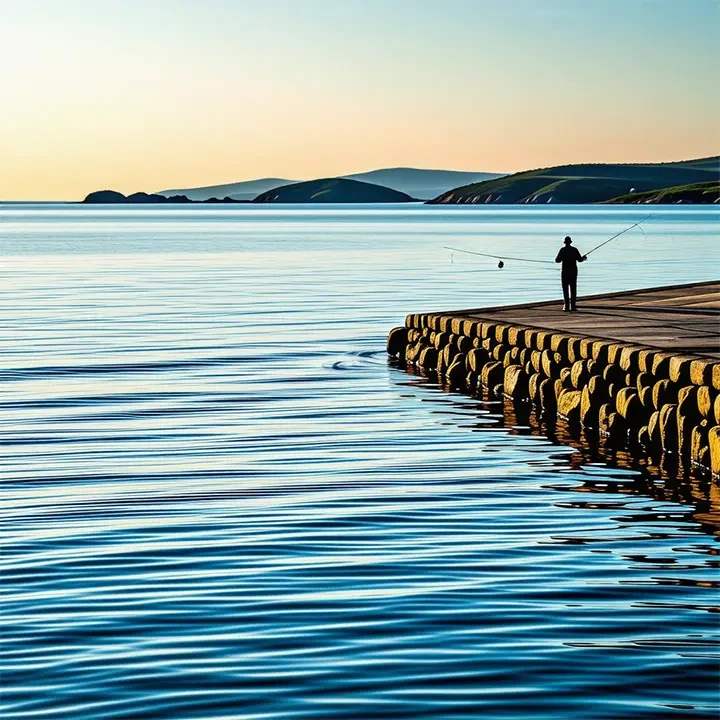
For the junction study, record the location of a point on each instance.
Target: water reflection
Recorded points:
(666, 481)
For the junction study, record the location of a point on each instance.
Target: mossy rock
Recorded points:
(543, 340)
(630, 359)
(654, 431)
(661, 364)
(669, 428)
(428, 358)
(397, 341)
(643, 380)
(536, 360)
(501, 333)
(529, 338)
(476, 358)
(705, 399)
(514, 336)
(573, 349)
(534, 381)
(516, 382)
(591, 400)
(613, 374)
(455, 375)
(441, 340)
(471, 381)
(661, 393)
(464, 343)
(628, 405)
(680, 369)
(559, 344)
(586, 348)
(548, 401)
(448, 354)
(614, 351)
(579, 374)
(548, 364)
(487, 330)
(714, 445)
(499, 352)
(645, 395)
(645, 360)
(688, 403)
(701, 371)
(569, 405)
(492, 374)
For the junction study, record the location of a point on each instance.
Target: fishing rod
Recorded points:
(622, 232)
(547, 262)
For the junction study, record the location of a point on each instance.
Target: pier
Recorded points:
(640, 370)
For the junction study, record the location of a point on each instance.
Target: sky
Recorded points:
(155, 94)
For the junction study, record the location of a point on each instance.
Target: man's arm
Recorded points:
(559, 256)
(580, 258)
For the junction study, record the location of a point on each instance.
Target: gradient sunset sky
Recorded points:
(150, 94)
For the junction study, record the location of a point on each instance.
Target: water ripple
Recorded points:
(220, 502)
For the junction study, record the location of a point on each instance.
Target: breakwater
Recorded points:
(646, 381)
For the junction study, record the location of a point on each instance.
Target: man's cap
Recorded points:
(568, 240)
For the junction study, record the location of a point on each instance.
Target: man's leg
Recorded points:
(573, 292)
(566, 292)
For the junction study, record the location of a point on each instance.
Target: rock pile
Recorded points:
(653, 402)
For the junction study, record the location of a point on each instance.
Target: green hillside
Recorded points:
(332, 190)
(586, 183)
(699, 193)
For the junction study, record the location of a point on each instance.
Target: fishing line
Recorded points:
(498, 257)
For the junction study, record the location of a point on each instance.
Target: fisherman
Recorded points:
(569, 257)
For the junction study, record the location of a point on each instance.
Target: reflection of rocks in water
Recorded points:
(662, 476)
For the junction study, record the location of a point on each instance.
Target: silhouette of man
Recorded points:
(569, 256)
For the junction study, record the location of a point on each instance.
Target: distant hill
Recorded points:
(112, 197)
(333, 190)
(419, 183)
(587, 183)
(699, 193)
(247, 190)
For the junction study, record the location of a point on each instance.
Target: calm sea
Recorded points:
(219, 501)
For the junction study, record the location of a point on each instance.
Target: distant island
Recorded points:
(327, 190)
(247, 190)
(594, 183)
(419, 183)
(112, 197)
(689, 181)
(333, 190)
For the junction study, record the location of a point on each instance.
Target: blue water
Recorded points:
(219, 501)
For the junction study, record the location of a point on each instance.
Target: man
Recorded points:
(569, 257)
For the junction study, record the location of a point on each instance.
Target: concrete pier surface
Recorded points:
(639, 369)
(680, 318)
